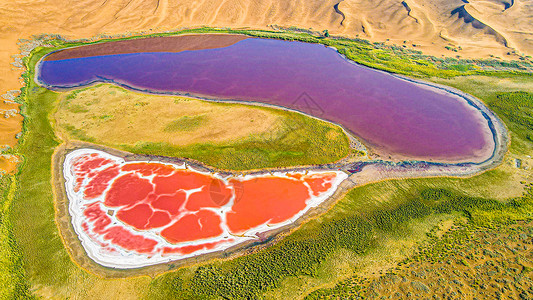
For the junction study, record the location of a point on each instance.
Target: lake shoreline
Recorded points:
(385, 150)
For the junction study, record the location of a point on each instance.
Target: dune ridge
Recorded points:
(337, 10)
(463, 13)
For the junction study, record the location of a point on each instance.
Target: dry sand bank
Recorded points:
(116, 116)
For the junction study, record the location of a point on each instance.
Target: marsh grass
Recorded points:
(185, 123)
(311, 142)
(462, 254)
(517, 109)
(13, 284)
(76, 108)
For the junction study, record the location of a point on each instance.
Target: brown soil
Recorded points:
(154, 44)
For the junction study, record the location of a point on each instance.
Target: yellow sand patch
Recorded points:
(8, 163)
(10, 123)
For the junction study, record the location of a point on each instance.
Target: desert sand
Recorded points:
(480, 27)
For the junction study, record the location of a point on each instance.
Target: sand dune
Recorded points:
(480, 27)
(512, 19)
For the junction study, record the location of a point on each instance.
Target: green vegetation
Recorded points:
(401, 60)
(517, 109)
(14, 256)
(186, 123)
(464, 255)
(369, 219)
(76, 108)
(302, 141)
(12, 276)
(106, 117)
(79, 134)
(34, 220)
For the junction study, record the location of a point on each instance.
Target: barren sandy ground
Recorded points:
(480, 27)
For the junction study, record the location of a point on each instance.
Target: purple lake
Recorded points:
(389, 114)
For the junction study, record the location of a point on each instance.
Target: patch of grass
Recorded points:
(17, 223)
(517, 109)
(34, 220)
(299, 141)
(105, 117)
(79, 134)
(13, 283)
(76, 108)
(492, 243)
(185, 123)
(141, 103)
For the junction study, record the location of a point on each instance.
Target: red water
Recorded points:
(194, 226)
(271, 200)
(182, 205)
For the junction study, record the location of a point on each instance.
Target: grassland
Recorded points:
(486, 255)
(223, 135)
(112, 115)
(372, 229)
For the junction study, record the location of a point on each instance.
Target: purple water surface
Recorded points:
(390, 114)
